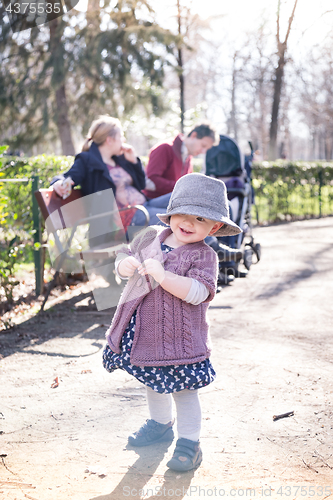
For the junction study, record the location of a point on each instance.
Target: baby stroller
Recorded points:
(226, 162)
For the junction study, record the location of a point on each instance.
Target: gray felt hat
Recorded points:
(198, 194)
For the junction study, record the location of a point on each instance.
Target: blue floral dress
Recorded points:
(162, 379)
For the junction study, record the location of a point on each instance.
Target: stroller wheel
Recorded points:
(257, 251)
(240, 274)
(248, 252)
(224, 279)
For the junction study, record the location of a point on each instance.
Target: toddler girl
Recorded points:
(159, 333)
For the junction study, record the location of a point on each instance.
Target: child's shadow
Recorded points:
(171, 484)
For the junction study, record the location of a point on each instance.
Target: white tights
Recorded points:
(188, 411)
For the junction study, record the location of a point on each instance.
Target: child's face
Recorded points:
(191, 228)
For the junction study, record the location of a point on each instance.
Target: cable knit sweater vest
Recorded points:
(168, 330)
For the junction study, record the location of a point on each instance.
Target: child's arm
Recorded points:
(179, 286)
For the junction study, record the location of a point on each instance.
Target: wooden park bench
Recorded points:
(60, 220)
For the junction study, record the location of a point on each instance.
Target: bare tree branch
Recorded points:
(290, 22)
(322, 15)
(278, 22)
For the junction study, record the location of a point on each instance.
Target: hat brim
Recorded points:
(228, 229)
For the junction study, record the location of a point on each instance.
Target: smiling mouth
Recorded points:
(184, 231)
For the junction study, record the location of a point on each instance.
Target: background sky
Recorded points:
(229, 22)
(237, 16)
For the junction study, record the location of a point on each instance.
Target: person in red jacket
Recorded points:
(170, 161)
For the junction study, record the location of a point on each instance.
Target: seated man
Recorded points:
(170, 161)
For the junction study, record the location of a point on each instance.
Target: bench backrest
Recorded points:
(51, 204)
(85, 233)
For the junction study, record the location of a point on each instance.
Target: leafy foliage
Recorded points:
(10, 250)
(16, 234)
(286, 190)
(109, 60)
(16, 198)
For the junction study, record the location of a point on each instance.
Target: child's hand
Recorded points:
(127, 267)
(154, 268)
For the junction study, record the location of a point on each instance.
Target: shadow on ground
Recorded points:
(136, 479)
(80, 310)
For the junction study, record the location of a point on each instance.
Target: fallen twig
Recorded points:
(3, 456)
(27, 496)
(283, 415)
(309, 466)
(323, 460)
(16, 483)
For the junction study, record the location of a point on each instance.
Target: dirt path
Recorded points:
(273, 352)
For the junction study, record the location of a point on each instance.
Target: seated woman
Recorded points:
(107, 162)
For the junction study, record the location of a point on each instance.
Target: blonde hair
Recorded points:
(100, 129)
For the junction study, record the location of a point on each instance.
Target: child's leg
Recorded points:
(159, 427)
(188, 414)
(187, 454)
(160, 406)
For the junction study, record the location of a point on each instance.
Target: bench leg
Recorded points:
(50, 287)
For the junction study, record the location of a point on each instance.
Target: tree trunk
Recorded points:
(233, 120)
(328, 145)
(263, 126)
(278, 82)
(58, 79)
(276, 104)
(63, 124)
(181, 90)
(181, 74)
(93, 8)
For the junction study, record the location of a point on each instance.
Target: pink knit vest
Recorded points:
(168, 330)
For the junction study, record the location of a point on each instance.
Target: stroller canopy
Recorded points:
(225, 160)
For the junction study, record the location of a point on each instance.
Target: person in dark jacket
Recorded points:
(107, 162)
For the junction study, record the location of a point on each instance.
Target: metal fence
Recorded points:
(38, 257)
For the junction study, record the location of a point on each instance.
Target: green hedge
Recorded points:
(16, 198)
(287, 190)
(283, 190)
(16, 222)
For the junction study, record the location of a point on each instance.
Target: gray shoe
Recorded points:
(150, 433)
(187, 455)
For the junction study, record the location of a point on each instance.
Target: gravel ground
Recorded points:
(273, 353)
